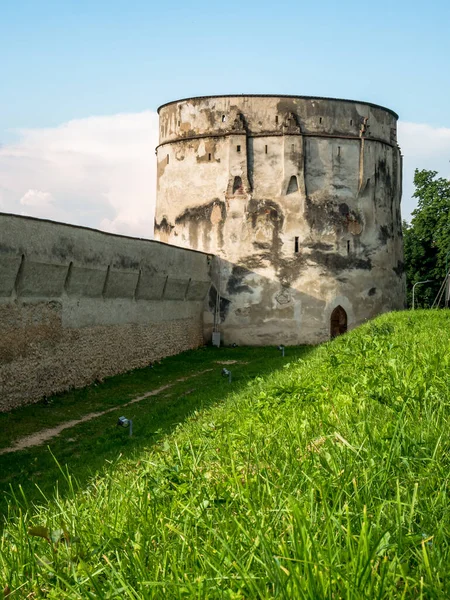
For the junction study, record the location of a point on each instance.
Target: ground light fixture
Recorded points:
(281, 349)
(124, 422)
(226, 373)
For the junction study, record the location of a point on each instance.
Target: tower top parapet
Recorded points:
(261, 115)
(291, 96)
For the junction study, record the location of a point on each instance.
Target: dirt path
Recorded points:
(40, 437)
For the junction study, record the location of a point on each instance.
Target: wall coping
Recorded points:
(105, 233)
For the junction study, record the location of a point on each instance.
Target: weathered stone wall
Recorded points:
(78, 305)
(300, 200)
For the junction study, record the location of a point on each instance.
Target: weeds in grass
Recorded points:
(326, 479)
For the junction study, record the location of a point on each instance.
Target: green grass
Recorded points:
(87, 446)
(326, 478)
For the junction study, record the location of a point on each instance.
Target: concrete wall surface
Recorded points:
(77, 305)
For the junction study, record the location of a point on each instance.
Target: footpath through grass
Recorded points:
(325, 479)
(188, 382)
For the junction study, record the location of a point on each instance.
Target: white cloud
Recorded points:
(37, 199)
(101, 171)
(98, 171)
(423, 147)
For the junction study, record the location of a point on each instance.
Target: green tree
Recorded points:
(427, 237)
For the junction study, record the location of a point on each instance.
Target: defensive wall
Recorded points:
(77, 305)
(299, 198)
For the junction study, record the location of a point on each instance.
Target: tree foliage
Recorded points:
(427, 237)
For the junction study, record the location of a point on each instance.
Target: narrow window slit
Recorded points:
(296, 245)
(265, 149)
(348, 246)
(167, 159)
(209, 156)
(238, 148)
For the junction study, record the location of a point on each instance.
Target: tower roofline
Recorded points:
(278, 96)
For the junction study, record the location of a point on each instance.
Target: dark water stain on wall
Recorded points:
(318, 246)
(125, 262)
(336, 262)
(382, 173)
(199, 217)
(266, 213)
(399, 269)
(326, 215)
(235, 285)
(164, 226)
(384, 234)
(4, 249)
(64, 249)
(224, 304)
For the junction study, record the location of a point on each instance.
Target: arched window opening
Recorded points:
(338, 322)
(293, 185)
(237, 185)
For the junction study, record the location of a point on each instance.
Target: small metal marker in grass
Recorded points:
(226, 373)
(281, 349)
(124, 422)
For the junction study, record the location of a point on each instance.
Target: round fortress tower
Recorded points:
(298, 197)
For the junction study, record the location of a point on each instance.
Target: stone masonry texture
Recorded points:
(78, 305)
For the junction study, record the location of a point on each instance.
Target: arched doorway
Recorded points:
(338, 321)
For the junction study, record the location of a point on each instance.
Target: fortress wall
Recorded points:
(78, 305)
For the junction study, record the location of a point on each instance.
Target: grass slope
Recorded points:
(326, 479)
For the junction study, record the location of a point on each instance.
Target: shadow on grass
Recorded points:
(31, 475)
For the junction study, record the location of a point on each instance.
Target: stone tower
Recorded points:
(299, 200)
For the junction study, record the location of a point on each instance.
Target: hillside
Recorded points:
(327, 478)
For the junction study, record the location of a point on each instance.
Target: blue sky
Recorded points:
(67, 61)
